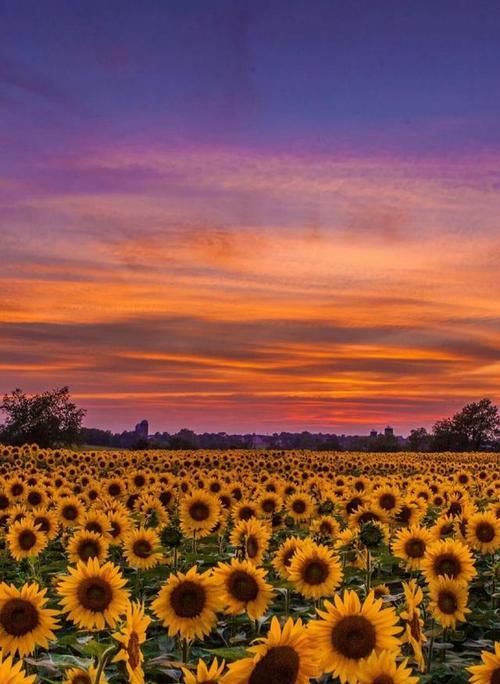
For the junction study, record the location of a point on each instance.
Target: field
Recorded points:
(248, 567)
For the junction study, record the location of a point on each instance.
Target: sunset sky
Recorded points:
(251, 216)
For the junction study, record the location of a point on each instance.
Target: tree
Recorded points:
(419, 439)
(479, 422)
(472, 428)
(48, 419)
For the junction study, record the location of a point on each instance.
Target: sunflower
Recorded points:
(285, 656)
(96, 521)
(252, 538)
(284, 555)
(443, 528)
(325, 526)
(410, 545)
(76, 675)
(448, 601)
(414, 624)
(46, 520)
(84, 545)
(152, 512)
(483, 532)
(448, 557)
(70, 511)
(382, 668)
(11, 673)
(204, 674)
(120, 525)
(348, 631)
(269, 503)
(141, 548)
(243, 587)
(187, 604)
(388, 498)
(489, 671)
(25, 539)
(131, 635)
(315, 570)
(300, 507)
(25, 622)
(198, 513)
(93, 595)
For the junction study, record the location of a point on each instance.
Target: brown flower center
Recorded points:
(188, 599)
(280, 665)
(447, 602)
(387, 501)
(93, 526)
(268, 506)
(27, 540)
(19, 617)
(252, 547)
(354, 637)
(142, 548)
(95, 594)
(199, 511)
(242, 586)
(485, 532)
(315, 572)
(43, 523)
(34, 498)
(325, 528)
(81, 678)
(70, 512)
(246, 513)
(415, 548)
(299, 506)
(447, 564)
(383, 679)
(353, 504)
(133, 651)
(367, 516)
(495, 676)
(88, 548)
(114, 489)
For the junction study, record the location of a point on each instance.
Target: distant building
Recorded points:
(373, 433)
(142, 429)
(389, 432)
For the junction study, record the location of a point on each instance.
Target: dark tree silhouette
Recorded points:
(48, 419)
(476, 426)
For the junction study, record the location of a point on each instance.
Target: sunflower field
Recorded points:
(248, 567)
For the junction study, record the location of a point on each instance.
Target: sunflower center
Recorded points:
(354, 637)
(81, 678)
(268, 506)
(115, 529)
(383, 679)
(188, 599)
(387, 501)
(4, 502)
(199, 511)
(367, 516)
(455, 509)
(299, 506)
(142, 548)
(243, 586)
(353, 504)
(447, 564)
(325, 528)
(280, 665)
(139, 480)
(17, 490)
(495, 676)
(70, 512)
(415, 548)
(133, 651)
(95, 594)
(34, 498)
(315, 572)
(19, 617)
(447, 602)
(252, 547)
(246, 513)
(27, 540)
(88, 549)
(93, 527)
(114, 489)
(485, 532)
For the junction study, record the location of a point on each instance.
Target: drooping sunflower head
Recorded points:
(93, 595)
(251, 537)
(283, 558)
(315, 570)
(488, 672)
(130, 637)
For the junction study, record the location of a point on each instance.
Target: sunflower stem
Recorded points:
(185, 650)
(103, 662)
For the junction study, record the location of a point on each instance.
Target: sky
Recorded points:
(251, 216)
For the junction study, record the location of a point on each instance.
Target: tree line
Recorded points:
(51, 419)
